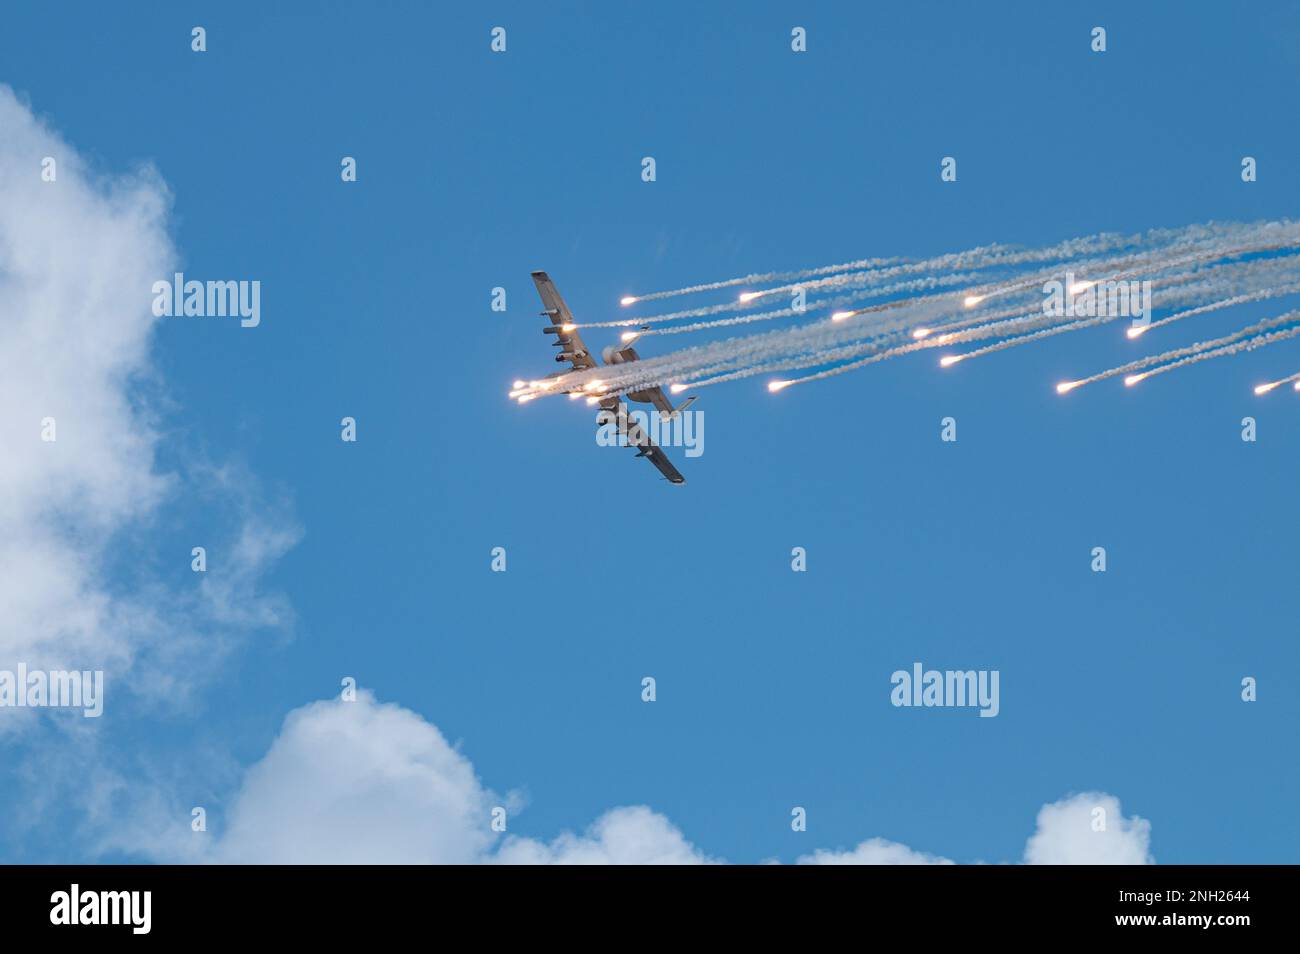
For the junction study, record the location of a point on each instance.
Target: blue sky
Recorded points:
(773, 687)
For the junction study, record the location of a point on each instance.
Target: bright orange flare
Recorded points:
(628, 300)
(921, 333)
(1265, 388)
(971, 301)
(678, 388)
(1133, 379)
(749, 296)
(841, 315)
(1066, 386)
(950, 359)
(1081, 286)
(775, 386)
(1137, 330)
(568, 327)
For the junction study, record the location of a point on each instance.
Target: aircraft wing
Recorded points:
(638, 438)
(572, 348)
(660, 400)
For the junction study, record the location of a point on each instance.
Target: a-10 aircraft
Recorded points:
(575, 352)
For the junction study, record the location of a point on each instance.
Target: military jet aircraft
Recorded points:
(572, 350)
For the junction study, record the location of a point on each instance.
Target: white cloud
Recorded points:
(622, 836)
(364, 781)
(1088, 829)
(370, 782)
(78, 258)
(874, 851)
(358, 781)
(1069, 832)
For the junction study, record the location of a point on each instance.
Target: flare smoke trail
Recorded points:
(1199, 269)
(1260, 295)
(916, 284)
(761, 277)
(1265, 388)
(1177, 355)
(1011, 321)
(1199, 244)
(1176, 295)
(995, 254)
(1250, 344)
(1026, 339)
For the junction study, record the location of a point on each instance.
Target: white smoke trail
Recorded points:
(1198, 243)
(1171, 296)
(1265, 388)
(885, 345)
(996, 253)
(1177, 354)
(1204, 237)
(706, 310)
(884, 327)
(761, 277)
(987, 325)
(820, 344)
(1260, 295)
(1215, 287)
(992, 331)
(1026, 339)
(916, 284)
(1250, 344)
